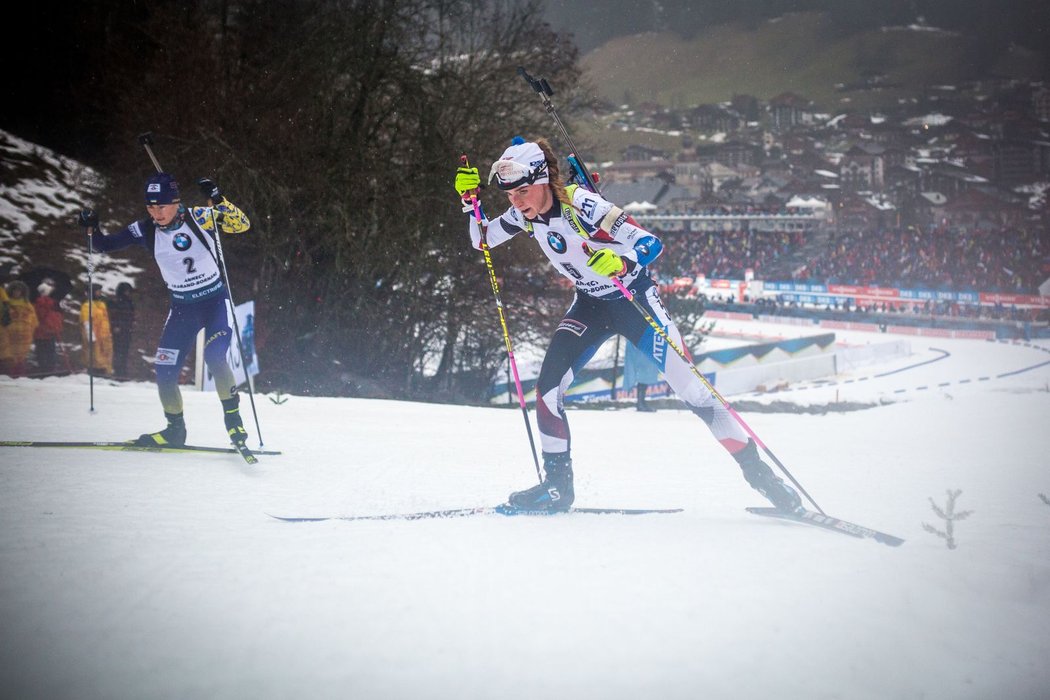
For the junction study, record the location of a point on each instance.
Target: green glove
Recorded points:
(467, 179)
(607, 263)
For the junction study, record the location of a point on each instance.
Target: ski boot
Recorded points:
(172, 436)
(762, 479)
(555, 492)
(231, 414)
(641, 406)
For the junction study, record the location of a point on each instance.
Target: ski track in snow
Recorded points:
(129, 575)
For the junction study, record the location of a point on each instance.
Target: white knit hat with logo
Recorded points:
(521, 164)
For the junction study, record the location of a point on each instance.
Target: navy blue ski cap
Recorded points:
(162, 188)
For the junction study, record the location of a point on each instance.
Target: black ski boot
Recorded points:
(762, 479)
(231, 414)
(555, 493)
(172, 436)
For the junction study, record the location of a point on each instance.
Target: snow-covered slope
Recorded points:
(40, 194)
(126, 575)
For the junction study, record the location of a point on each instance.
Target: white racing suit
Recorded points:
(567, 236)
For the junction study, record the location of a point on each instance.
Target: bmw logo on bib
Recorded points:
(556, 242)
(181, 241)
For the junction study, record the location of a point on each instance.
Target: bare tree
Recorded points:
(338, 125)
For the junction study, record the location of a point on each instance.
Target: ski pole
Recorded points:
(91, 323)
(494, 283)
(236, 327)
(543, 88)
(146, 140)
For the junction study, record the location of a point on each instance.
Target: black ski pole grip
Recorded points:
(535, 84)
(146, 140)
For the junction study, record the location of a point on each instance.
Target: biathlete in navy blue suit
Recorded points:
(182, 241)
(589, 240)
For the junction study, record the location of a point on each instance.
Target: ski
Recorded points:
(246, 453)
(827, 522)
(503, 509)
(132, 447)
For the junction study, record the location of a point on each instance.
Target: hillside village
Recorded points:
(965, 166)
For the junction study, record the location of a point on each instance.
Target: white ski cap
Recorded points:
(521, 164)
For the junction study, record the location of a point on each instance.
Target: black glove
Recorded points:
(210, 190)
(87, 218)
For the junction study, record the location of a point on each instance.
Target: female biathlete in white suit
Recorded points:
(589, 240)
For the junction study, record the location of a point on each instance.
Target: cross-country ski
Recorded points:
(129, 447)
(503, 509)
(827, 522)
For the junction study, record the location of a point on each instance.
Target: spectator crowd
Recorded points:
(1005, 261)
(32, 323)
(724, 254)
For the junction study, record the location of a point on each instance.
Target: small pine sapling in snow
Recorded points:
(949, 516)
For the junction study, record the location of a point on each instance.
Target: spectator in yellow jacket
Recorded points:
(20, 330)
(5, 323)
(98, 353)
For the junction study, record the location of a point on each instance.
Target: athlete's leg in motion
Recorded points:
(175, 341)
(678, 374)
(577, 338)
(217, 338)
(580, 333)
(695, 393)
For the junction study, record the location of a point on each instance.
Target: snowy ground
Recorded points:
(128, 575)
